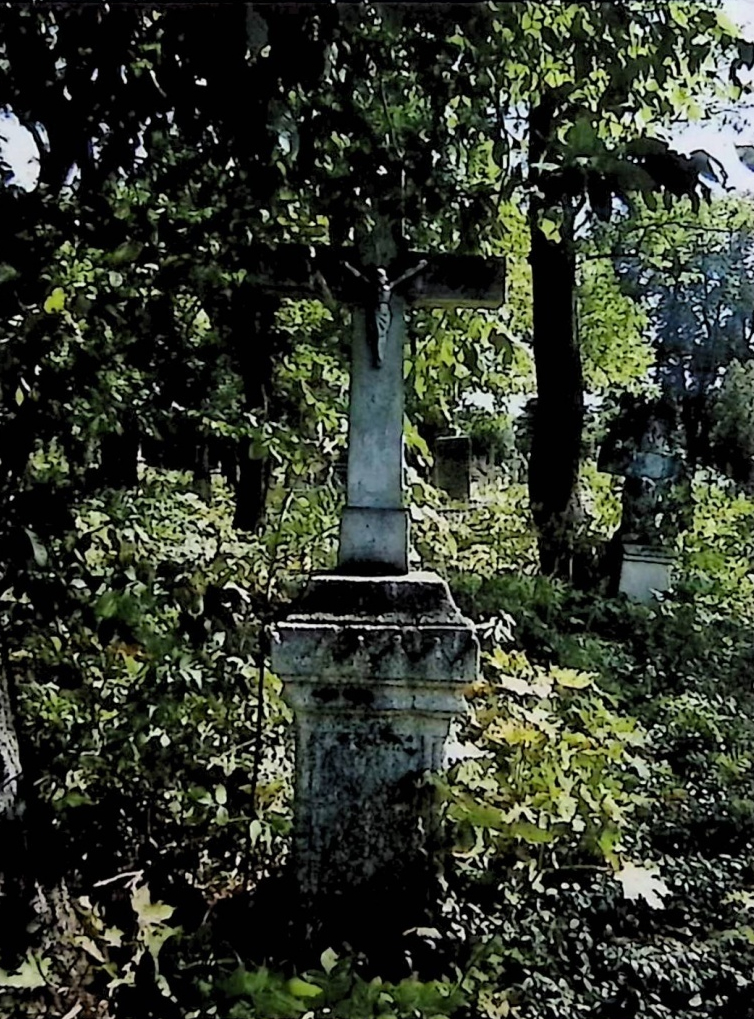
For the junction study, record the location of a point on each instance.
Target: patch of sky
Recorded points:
(19, 149)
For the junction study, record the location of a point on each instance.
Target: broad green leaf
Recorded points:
(55, 303)
(149, 912)
(608, 843)
(726, 25)
(551, 229)
(480, 815)
(328, 960)
(532, 833)
(154, 937)
(106, 606)
(128, 251)
(30, 975)
(74, 798)
(302, 989)
(572, 679)
(643, 883)
(582, 139)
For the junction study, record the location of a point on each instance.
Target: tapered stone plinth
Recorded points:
(374, 669)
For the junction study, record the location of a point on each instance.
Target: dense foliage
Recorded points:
(598, 816)
(172, 437)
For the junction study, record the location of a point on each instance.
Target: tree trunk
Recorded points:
(559, 413)
(119, 455)
(12, 870)
(252, 482)
(253, 323)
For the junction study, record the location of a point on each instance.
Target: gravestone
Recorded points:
(645, 447)
(375, 658)
(453, 466)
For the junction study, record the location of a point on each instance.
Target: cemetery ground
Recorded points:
(597, 809)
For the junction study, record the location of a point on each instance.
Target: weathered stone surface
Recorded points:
(374, 669)
(374, 531)
(417, 597)
(378, 278)
(373, 541)
(645, 570)
(373, 666)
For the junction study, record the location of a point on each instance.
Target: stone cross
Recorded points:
(373, 659)
(374, 530)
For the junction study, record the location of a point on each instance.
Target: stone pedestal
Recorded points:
(373, 668)
(644, 570)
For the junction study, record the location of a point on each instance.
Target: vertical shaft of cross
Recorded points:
(374, 530)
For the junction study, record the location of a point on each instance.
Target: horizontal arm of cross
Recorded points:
(448, 280)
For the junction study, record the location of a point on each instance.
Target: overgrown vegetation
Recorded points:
(172, 442)
(598, 809)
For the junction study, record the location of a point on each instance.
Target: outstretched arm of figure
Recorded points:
(409, 274)
(359, 275)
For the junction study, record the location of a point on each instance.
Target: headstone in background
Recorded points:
(453, 466)
(645, 446)
(645, 569)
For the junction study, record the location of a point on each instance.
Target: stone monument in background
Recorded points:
(453, 466)
(645, 446)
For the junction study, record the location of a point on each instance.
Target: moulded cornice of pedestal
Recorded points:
(370, 652)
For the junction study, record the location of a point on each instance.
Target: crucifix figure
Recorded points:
(374, 529)
(379, 322)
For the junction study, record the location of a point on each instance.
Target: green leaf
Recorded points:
(726, 25)
(148, 912)
(532, 833)
(608, 842)
(572, 679)
(55, 303)
(7, 272)
(328, 960)
(74, 798)
(128, 251)
(582, 139)
(38, 549)
(301, 989)
(30, 975)
(551, 229)
(106, 606)
(480, 815)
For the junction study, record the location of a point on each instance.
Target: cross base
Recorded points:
(374, 540)
(374, 669)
